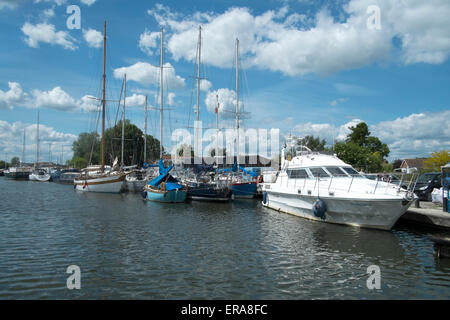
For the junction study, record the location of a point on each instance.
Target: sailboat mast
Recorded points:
(198, 85)
(23, 149)
(103, 99)
(237, 100)
(217, 131)
(37, 142)
(123, 118)
(161, 96)
(145, 132)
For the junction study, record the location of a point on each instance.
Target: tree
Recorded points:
(222, 151)
(315, 144)
(3, 164)
(86, 143)
(359, 134)
(77, 163)
(375, 145)
(397, 164)
(185, 148)
(133, 146)
(437, 160)
(15, 162)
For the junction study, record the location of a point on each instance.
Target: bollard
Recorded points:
(417, 204)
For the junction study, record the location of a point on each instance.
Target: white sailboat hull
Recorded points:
(106, 184)
(369, 213)
(39, 177)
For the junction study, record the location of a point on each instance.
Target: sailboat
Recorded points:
(98, 179)
(244, 184)
(164, 188)
(205, 185)
(38, 174)
(21, 172)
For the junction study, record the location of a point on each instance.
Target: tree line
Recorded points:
(87, 148)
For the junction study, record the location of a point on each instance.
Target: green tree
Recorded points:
(437, 160)
(222, 151)
(359, 134)
(315, 144)
(133, 147)
(359, 157)
(77, 163)
(15, 161)
(185, 148)
(86, 143)
(3, 164)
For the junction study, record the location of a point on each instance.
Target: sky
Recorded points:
(307, 68)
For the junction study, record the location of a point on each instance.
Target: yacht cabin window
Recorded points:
(318, 172)
(297, 174)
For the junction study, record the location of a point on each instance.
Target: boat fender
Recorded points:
(264, 200)
(319, 208)
(260, 179)
(163, 186)
(144, 194)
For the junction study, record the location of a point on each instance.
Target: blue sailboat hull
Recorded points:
(171, 196)
(244, 190)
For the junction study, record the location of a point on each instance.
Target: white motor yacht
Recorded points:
(324, 188)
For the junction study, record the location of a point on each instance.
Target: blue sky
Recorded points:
(309, 67)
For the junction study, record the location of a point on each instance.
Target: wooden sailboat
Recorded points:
(163, 188)
(100, 180)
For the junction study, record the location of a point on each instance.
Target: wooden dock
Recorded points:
(429, 214)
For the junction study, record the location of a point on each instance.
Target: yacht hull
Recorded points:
(367, 213)
(105, 184)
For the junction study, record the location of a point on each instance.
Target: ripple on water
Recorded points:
(129, 248)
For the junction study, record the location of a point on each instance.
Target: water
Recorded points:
(131, 249)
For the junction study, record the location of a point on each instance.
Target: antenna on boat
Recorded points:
(237, 100)
(123, 119)
(145, 132)
(23, 149)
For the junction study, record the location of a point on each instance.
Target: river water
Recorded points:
(127, 248)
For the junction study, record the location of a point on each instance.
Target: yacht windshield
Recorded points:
(318, 172)
(350, 170)
(297, 173)
(335, 171)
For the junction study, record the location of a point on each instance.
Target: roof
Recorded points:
(413, 163)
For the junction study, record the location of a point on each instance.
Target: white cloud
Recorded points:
(8, 4)
(88, 2)
(46, 33)
(147, 74)
(226, 99)
(93, 38)
(337, 101)
(415, 135)
(205, 85)
(148, 41)
(136, 100)
(58, 99)
(296, 44)
(58, 2)
(171, 99)
(13, 97)
(11, 140)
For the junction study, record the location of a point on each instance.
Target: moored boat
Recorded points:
(40, 175)
(18, 173)
(324, 188)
